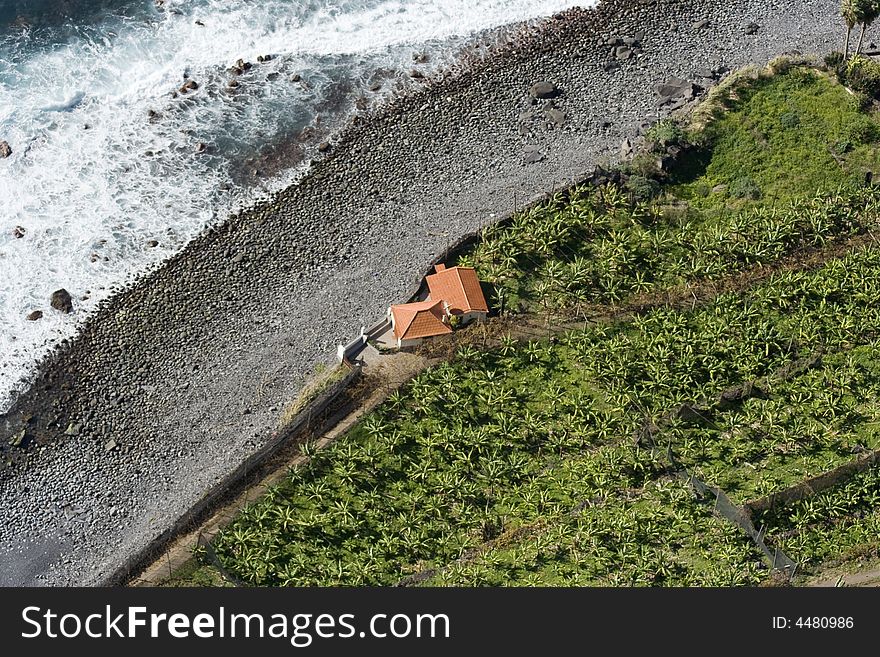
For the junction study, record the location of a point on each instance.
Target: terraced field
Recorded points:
(569, 461)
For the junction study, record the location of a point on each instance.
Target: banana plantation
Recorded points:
(559, 461)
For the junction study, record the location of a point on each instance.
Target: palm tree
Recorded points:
(849, 13)
(857, 12)
(869, 10)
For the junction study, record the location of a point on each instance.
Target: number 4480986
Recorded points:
(824, 622)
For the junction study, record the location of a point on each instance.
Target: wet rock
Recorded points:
(543, 90)
(623, 53)
(35, 315)
(110, 445)
(189, 85)
(201, 147)
(61, 301)
(73, 429)
(699, 25)
(752, 28)
(153, 244)
(324, 147)
(420, 58)
(18, 232)
(5, 149)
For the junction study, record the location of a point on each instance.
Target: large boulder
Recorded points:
(543, 89)
(62, 301)
(5, 149)
(674, 89)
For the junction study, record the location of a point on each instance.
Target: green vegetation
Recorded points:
(594, 247)
(776, 138)
(557, 462)
(841, 522)
(497, 442)
(657, 535)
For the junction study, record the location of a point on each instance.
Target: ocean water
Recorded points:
(114, 170)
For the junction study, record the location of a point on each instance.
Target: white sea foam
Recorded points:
(92, 180)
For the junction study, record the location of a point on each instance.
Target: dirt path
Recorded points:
(864, 578)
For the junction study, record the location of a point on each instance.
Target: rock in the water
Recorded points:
(73, 429)
(110, 445)
(623, 53)
(153, 244)
(752, 28)
(189, 85)
(18, 232)
(543, 90)
(35, 315)
(699, 25)
(5, 149)
(324, 146)
(61, 301)
(626, 148)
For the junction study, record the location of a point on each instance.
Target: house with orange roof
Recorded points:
(459, 289)
(413, 322)
(453, 292)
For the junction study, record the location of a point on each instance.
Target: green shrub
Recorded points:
(841, 147)
(745, 188)
(790, 120)
(702, 189)
(833, 60)
(665, 133)
(642, 188)
(644, 165)
(863, 74)
(862, 131)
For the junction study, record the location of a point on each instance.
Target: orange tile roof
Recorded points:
(419, 320)
(459, 287)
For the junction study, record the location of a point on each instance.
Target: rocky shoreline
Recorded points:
(178, 378)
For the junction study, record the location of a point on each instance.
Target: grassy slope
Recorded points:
(517, 466)
(790, 136)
